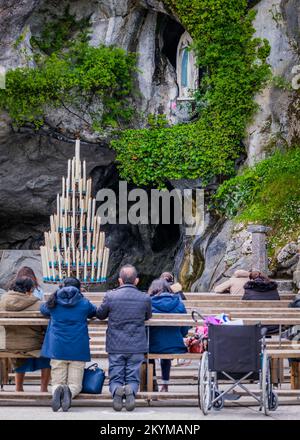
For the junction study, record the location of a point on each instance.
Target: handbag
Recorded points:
(93, 380)
(197, 344)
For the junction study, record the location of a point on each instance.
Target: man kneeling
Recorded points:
(126, 308)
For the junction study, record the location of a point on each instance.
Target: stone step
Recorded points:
(285, 285)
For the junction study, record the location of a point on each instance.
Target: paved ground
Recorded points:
(173, 413)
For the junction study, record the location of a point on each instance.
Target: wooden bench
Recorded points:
(267, 314)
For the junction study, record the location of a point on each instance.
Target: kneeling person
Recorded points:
(126, 308)
(67, 341)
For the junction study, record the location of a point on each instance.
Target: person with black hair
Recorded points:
(166, 340)
(25, 340)
(260, 287)
(126, 308)
(67, 341)
(175, 287)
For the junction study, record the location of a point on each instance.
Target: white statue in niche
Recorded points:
(187, 69)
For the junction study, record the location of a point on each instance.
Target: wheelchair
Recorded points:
(236, 356)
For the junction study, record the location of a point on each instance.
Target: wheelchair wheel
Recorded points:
(269, 398)
(219, 404)
(204, 385)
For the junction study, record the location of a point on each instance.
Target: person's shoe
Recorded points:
(129, 398)
(164, 389)
(57, 397)
(118, 399)
(66, 399)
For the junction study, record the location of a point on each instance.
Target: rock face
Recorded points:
(13, 260)
(225, 247)
(276, 120)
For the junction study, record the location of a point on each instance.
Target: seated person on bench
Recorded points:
(175, 287)
(25, 340)
(235, 284)
(166, 339)
(261, 288)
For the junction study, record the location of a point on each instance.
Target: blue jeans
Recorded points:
(124, 369)
(165, 365)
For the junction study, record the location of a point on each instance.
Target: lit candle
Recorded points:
(93, 266)
(84, 175)
(97, 234)
(58, 208)
(68, 262)
(53, 263)
(100, 254)
(46, 263)
(93, 213)
(81, 246)
(88, 245)
(59, 265)
(67, 187)
(63, 187)
(74, 210)
(85, 266)
(64, 233)
(73, 247)
(94, 233)
(46, 247)
(88, 221)
(42, 249)
(57, 240)
(73, 176)
(77, 157)
(61, 212)
(77, 264)
(69, 175)
(88, 190)
(80, 189)
(104, 264)
(52, 226)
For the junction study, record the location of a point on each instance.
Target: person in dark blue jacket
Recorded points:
(166, 339)
(67, 341)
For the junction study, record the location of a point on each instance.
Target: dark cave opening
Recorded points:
(171, 32)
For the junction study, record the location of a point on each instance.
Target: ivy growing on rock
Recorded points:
(60, 31)
(93, 83)
(81, 71)
(236, 68)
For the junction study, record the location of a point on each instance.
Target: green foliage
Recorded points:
(268, 193)
(281, 83)
(235, 61)
(59, 32)
(82, 71)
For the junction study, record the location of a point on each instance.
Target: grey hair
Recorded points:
(128, 274)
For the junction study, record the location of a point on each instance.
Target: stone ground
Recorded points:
(244, 409)
(166, 413)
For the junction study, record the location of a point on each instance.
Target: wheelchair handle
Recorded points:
(194, 313)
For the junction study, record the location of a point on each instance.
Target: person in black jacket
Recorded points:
(260, 288)
(126, 308)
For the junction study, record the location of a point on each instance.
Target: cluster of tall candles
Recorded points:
(75, 245)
